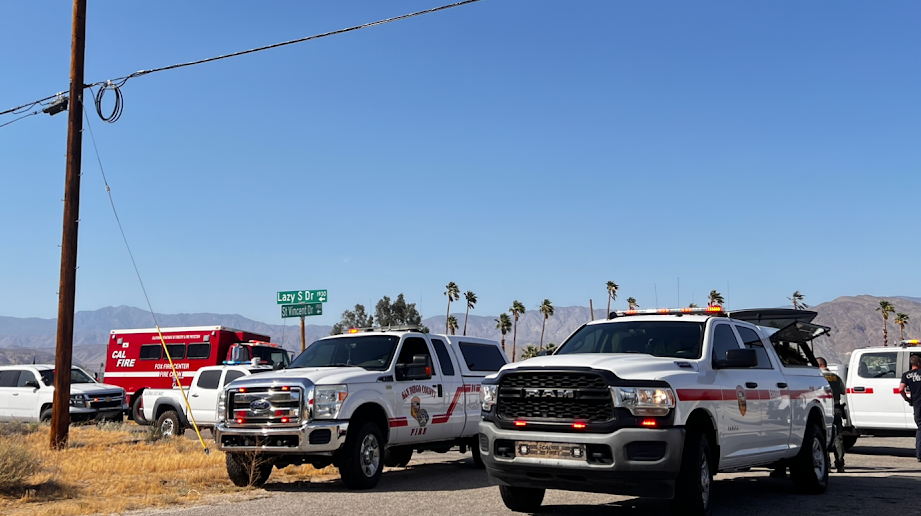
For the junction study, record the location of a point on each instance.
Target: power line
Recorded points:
(20, 118)
(117, 83)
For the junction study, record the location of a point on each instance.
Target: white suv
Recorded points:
(26, 393)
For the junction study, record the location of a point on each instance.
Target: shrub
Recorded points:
(18, 428)
(17, 464)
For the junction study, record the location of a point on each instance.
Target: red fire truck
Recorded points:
(135, 360)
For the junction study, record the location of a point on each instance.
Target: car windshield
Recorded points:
(675, 339)
(372, 352)
(76, 376)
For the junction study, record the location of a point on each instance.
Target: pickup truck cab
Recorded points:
(655, 403)
(360, 401)
(166, 408)
(874, 405)
(27, 391)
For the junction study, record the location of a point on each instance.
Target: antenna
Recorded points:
(679, 291)
(657, 294)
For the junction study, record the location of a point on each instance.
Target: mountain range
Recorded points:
(853, 319)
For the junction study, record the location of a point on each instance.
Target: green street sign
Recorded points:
(301, 296)
(303, 310)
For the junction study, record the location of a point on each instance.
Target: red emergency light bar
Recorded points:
(579, 426)
(670, 311)
(521, 423)
(649, 423)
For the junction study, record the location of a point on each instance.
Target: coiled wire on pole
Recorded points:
(119, 102)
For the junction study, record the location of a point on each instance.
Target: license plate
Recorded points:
(541, 450)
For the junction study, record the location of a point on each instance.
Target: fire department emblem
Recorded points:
(419, 414)
(743, 404)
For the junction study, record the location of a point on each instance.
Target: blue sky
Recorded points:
(525, 149)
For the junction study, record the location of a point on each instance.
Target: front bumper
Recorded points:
(642, 475)
(310, 438)
(101, 414)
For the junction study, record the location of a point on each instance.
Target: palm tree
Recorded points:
(612, 295)
(631, 303)
(503, 324)
(516, 310)
(453, 294)
(452, 324)
(693, 305)
(716, 299)
(886, 308)
(551, 347)
(530, 351)
(797, 299)
(901, 319)
(546, 308)
(471, 302)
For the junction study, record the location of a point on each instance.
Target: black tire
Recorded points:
(361, 463)
(137, 410)
(168, 424)
(849, 442)
(45, 417)
(247, 469)
(809, 470)
(477, 458)
(522, 499)
(398, 456)
(694, 484)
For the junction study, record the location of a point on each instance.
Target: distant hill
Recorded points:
(853, 320)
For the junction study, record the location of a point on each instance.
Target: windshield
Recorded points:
(76, 376)
(372, 352)
(657, 338)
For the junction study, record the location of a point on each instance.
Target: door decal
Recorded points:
(740, 395)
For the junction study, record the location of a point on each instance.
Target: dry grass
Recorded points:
(112, 468)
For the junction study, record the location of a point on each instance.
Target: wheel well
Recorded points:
(165, 407)
(815, 416)
(703, 421)
(374, 413)
(45, 407)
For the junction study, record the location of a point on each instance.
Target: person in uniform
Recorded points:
(838, 390)
(911, 384)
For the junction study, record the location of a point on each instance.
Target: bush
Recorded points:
(17, 464)
(16, 428)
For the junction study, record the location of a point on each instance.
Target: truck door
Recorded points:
(203, 396)
(455, 392)
(872, 386)
(419, 393)
(740, 413)
(766, 383)
(24, 402)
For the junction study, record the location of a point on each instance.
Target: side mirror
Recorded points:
(543, 352)
(32, 383)
(419, 369)
(277, 366)
(738, 359)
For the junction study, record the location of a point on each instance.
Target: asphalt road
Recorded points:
(883, 478)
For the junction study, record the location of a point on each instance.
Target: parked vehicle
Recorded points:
(166, 408)
(874, 405)
(360, 401)
(655, 403)
(136, 361)
(27, 392)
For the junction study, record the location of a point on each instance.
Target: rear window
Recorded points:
(199, 350)
(877, 365)
(658, 338)
(482, 357)
(150, 352)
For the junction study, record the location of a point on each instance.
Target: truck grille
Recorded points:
(264, 406)
(555, 397)
(106, 401)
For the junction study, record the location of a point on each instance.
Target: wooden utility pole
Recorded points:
(63, 358)
(303, 338)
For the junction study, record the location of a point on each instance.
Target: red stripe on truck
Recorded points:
(700, 394)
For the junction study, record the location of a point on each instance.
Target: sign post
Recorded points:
(301, 303)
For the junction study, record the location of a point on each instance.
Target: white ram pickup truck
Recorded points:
(166, 409)
(655, 403)
(360, 401)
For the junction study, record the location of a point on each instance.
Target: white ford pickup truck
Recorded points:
(655, 403)
(166, 409)
(360, 401)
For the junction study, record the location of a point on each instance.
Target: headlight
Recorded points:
(221, 406)
(644, 401)
(78, 400)
(327, 400)
(488, 394)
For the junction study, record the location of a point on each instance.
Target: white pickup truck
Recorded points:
(166, 409)
(655, 403)
(360, 401)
